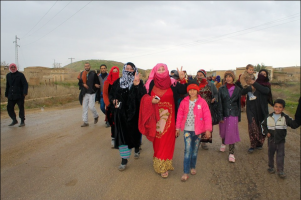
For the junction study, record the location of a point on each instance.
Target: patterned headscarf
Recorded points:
(13, 70)
(126, 81)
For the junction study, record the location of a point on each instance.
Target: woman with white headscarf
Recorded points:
(125, 95)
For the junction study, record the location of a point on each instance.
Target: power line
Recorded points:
(223, 36)
(59, 25)
(39, 20)
(51, 18)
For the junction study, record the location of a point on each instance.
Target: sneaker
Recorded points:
(222, 148)
(281, 174)
(95, 120)
(271, 170)
(251, 150)
(137, 155)
(107, 124)
(84, 124)
(112, 143)
(259, 148)
(252, 98)
(13, 123)
(121, 167)
(231, 158)
(204, 146)
(22, 124)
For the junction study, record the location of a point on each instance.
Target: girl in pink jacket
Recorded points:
(194, 118)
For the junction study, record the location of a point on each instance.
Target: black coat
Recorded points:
(258, 108)
(229, 106)
(127, 115)
(177, 90)
(16, 86)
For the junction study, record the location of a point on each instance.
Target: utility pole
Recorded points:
(16, 50)
(53, 63)
(59, 65)
(71, 60)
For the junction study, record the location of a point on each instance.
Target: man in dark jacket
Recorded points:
(89, 88)
(16, 90)
(102, 78)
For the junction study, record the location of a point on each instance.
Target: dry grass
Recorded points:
(290, 92)
(46, 95)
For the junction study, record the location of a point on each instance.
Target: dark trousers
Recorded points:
(279, 149)
(11, 108)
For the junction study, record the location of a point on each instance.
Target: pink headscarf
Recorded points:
(161, 80)
(13, 70)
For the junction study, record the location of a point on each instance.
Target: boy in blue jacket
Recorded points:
(275, 128)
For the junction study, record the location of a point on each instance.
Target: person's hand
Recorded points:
(212, 100)
(97, 85)
(115, 102)
(181, 73)
(268, 135)
(154, 100)
(86, 86)
(208, 134)
(136, 79)
(177, 133)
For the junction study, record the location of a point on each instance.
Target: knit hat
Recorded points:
(280, 101)
(203, 72)
(230, 73)
(218, 78)
(192, 84)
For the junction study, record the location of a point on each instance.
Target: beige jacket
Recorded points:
(246, 78)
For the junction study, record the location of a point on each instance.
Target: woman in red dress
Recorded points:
(168, 90)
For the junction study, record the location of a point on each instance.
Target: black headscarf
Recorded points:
(262, 80)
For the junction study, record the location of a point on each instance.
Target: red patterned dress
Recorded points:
(164, 143)
(206, 94)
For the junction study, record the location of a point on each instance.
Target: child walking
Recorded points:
(275, 128)
(230, 113)
(246, 77)
(194, 118)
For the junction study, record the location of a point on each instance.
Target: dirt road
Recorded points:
(52, 157)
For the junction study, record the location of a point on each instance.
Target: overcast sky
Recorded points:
(196, 34)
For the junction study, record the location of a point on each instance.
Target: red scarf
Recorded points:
(229, 86)
(113, 76)
(202, 83)
(162, 81)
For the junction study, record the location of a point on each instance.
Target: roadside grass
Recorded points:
(46, 95)
(290, 92)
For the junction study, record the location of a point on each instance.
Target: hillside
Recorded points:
(95, 64)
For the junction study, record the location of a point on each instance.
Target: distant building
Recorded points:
(44, 75)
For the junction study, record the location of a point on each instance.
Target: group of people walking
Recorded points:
(168, 104)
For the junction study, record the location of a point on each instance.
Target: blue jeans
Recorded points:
(102, 105)
(191, 150)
